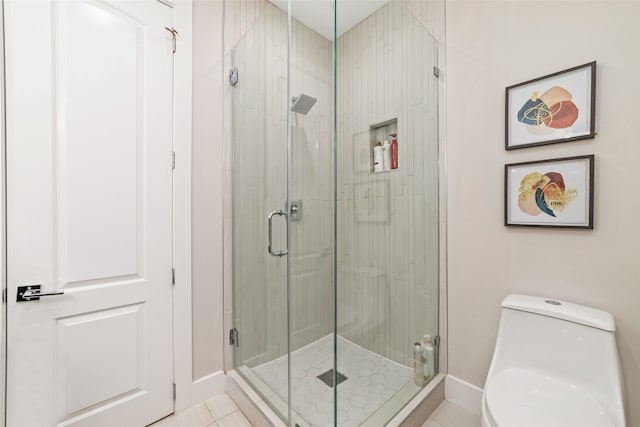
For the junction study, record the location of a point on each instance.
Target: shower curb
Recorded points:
(420, 408)
(250, 403)
(415, 413)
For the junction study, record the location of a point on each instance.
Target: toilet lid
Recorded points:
(522, 398)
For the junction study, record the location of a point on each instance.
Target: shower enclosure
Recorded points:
(335, 257)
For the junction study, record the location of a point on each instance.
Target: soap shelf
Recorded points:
(387, 171)
(380, 132)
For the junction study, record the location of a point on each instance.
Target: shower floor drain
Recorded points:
(327, 378)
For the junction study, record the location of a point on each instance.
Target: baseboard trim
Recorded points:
(206, 387)
(463, 394)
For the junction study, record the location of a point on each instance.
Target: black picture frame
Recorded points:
(571, 93)
(556, 193)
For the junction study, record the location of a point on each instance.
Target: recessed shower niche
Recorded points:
(384, 134)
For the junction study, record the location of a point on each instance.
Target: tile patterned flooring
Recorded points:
(221, 411)
(451, 415)
(371, 381)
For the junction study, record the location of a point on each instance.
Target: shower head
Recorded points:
(302, 103)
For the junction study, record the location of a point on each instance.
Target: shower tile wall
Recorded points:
(311, 255)
(387, 222)
(260, 173)
(430, 13)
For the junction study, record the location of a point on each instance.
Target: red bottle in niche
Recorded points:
(394, 151)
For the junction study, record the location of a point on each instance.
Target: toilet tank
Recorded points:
(569, 342)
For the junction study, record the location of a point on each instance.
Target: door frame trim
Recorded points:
(3, 225)
(182, 141)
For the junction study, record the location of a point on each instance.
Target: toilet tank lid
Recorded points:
(561, 310)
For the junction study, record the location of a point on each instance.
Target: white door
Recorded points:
(89, 212)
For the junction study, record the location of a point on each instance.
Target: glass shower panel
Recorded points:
(259, 142)
(387, 210)
(311, 223)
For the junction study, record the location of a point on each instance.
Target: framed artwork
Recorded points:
(560, 107)
(550, 193)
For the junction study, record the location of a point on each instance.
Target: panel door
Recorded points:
(89, 212)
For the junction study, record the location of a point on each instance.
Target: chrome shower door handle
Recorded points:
(270, 220)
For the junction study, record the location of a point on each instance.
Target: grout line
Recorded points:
(209, 410)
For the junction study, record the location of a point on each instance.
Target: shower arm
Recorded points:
(270, 227)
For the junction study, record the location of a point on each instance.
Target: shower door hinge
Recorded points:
(233, 337)
(174, 392)
(174, 34)
(233, 76)
(173, 160)
(436, 341)
(436, 71)
(173, 276)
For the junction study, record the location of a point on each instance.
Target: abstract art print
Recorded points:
(550, 193)
(556, 108)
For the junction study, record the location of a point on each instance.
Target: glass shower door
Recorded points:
(259, 136)
(283, 190)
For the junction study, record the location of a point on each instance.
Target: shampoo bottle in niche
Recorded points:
(386, 154)
(428, 354)
(378, 158)
(394, 151)
(418, 366)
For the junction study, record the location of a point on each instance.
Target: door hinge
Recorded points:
(234, 339)
(233, 76)
(173, 276)
(4, 295)
(174, 392)
(174, 35)
(436, 341)
(436, 71)
(173, 160)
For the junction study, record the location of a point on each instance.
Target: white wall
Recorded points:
(491, 45)
(207, 261)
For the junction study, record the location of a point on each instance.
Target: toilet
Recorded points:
(555, 364)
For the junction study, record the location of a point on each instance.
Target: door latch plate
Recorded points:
(23, 289)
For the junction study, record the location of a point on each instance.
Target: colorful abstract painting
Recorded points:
(544, 193)
(552, 109)
(556, 108)
(550, 193)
